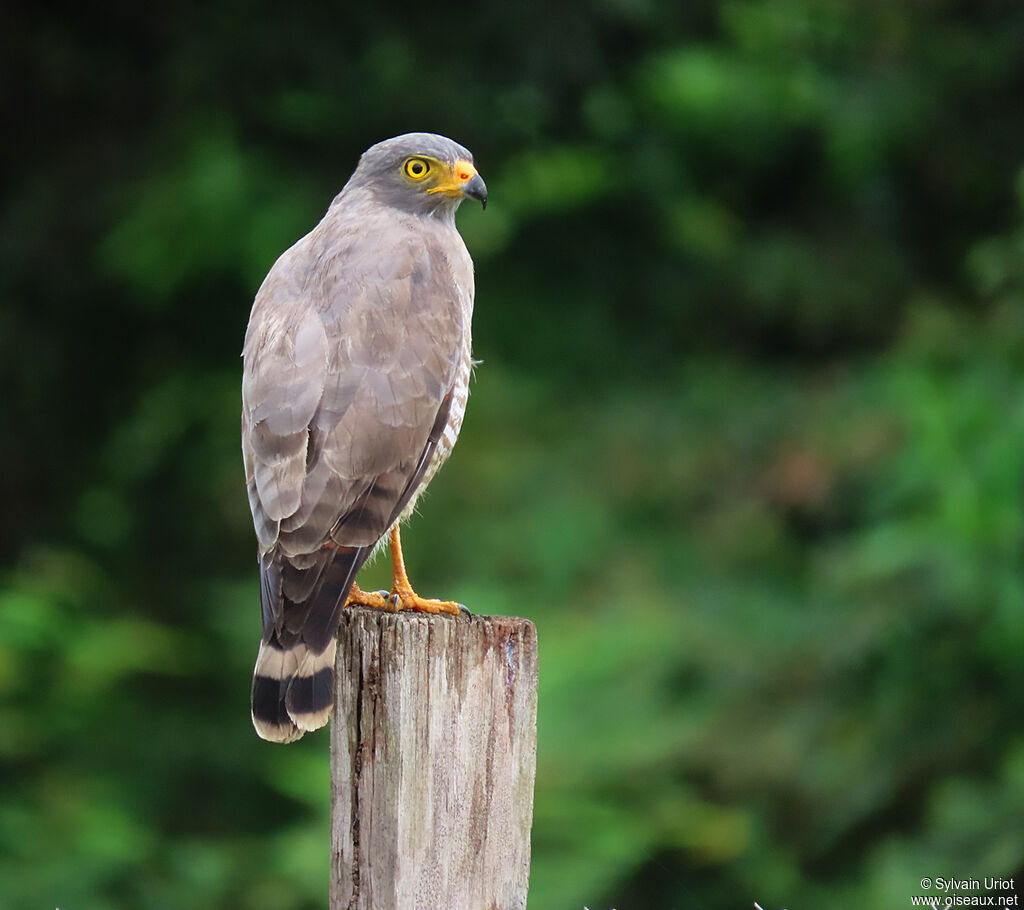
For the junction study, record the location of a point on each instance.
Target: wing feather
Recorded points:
(353, 344)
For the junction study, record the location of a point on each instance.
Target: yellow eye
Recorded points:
(417, 168)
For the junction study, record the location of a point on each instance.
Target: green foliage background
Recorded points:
(746, 444)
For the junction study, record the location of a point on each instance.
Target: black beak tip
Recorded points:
(476, 189)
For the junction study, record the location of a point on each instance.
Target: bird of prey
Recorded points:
(356, 371)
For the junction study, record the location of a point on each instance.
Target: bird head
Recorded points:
(420, 172)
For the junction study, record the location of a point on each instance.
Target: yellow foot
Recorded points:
(357, 597)
(404, 598)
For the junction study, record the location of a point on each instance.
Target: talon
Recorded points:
(378, 600)
(405, 597)
(401, 596)
(410, 600)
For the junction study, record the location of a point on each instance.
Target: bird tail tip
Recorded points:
(292, 691)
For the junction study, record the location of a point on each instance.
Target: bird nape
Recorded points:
(355, 378)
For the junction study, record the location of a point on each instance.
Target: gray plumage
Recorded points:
(355, 377)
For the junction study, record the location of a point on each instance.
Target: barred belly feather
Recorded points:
(460, 398)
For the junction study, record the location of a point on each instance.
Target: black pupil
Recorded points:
(417, 168)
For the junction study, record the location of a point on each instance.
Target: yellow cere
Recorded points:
(462, 172)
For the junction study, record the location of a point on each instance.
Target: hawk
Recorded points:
(356, 371)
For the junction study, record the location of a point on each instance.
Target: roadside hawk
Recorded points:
(355, 377)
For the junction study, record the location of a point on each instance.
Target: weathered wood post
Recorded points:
(433, 757)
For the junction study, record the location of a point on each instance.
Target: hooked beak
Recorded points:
(475, 188)
(465, 182)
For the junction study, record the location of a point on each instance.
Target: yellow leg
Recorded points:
(408, 599)
(403, 597)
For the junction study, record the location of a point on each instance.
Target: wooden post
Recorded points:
(433, 757)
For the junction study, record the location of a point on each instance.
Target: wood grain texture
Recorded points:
(433, 758)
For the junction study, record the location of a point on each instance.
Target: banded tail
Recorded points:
(302, 596)
(292, 691)
(293, 682)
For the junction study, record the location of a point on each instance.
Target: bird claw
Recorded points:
(400, 599)
(378, 600)
(410, 600)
